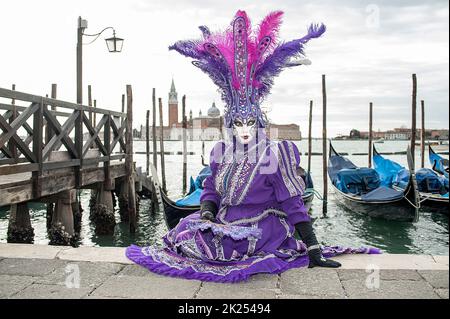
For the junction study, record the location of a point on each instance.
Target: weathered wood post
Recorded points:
(62, 228)
(324, 144)
(184, 145)
(422, 135)
(310, 136)
(370, 132)
(155, 148)
(90, 103)
(161, 146)
(129, 162)
(19, 227)
(95, 114)
(11, 145)
(413, 118)
(147, 144)
(104, 218)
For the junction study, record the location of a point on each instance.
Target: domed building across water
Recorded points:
(207, 127)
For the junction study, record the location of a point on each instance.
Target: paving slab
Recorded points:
(30, 251)
(210, 290)
(41, 291)
(311, 282)
(443, 293)
(90, 274)
(437, 278)
(29, 267)
(96, 254)
(389, 289)
(444, 260)
(390, 261)
(151, 287)
(10, 285)
(385, 274)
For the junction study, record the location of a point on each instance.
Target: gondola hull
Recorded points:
(398, 210)
(434, 203)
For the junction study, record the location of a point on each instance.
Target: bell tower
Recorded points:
(173, 105)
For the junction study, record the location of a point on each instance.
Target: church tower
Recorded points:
(173, 106)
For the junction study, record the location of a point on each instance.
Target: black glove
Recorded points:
(307, 235)
(208, 210)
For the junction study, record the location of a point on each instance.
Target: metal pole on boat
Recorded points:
(422, 135)
(370, 132)
(184, 145)
(309, 136)
(324, 145)
(161, 146)
(413, 120)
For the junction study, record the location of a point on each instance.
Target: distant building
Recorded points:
(207, 127)
(401, 133)
(284, 132)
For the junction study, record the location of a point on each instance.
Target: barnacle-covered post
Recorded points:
(19, 227)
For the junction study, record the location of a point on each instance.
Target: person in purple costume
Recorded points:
(251, 205)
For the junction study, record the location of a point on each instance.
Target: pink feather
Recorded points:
(270, 26)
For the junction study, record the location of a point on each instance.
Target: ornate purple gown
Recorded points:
(258, 193)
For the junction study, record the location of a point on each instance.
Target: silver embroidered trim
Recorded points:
(286, 226)
(290, 161)
(252, 242)
(313, 247)
(252, 177)
(217, 240)
(258, 218)
(297, 178)
(286, 180)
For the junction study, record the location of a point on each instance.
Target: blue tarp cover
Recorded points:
(357, 180)
(381, 194)
(195, 190)
(387, 169)
(193, 199)
(428, 181)
(338, 163)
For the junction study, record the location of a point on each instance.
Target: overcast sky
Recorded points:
(368, 53)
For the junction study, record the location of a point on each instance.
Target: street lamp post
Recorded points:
(114, 44)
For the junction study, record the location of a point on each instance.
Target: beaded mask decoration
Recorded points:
(243, 62)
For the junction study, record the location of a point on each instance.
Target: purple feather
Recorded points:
(188, 48)
(205, 31)
(279, 59)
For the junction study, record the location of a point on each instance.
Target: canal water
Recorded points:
(430, 235)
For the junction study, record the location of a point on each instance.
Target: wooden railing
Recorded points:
(31, 133)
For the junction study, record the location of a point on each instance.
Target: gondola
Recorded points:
(432, 190)
(439, 164)
(173, 212)
(359, 189)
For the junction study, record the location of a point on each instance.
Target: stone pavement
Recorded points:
(35, 271)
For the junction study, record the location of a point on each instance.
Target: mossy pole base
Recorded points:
(62, 230)
(92, 203)
(123, 201)
(104, 218)
(19, 228)
(77, 215)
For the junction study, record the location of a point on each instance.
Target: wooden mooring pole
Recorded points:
(370, 132)
(129, 162)
(161, 146)
(147, 143)
(422, 134)
(324, 144)
(310, 135)
(184, 145)
(413, 118)
(155, 147)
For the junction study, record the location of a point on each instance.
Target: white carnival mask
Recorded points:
(244, 130)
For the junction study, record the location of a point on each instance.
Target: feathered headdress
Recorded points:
(243, 63)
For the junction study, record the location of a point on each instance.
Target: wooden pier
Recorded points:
(50, 149)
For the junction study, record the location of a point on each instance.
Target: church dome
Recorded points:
(213, 111)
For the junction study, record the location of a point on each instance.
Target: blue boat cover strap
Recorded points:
(382, 194)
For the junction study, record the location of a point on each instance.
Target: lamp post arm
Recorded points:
(97, 35)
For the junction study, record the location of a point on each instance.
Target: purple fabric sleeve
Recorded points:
(209, 190)
(287, 184)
